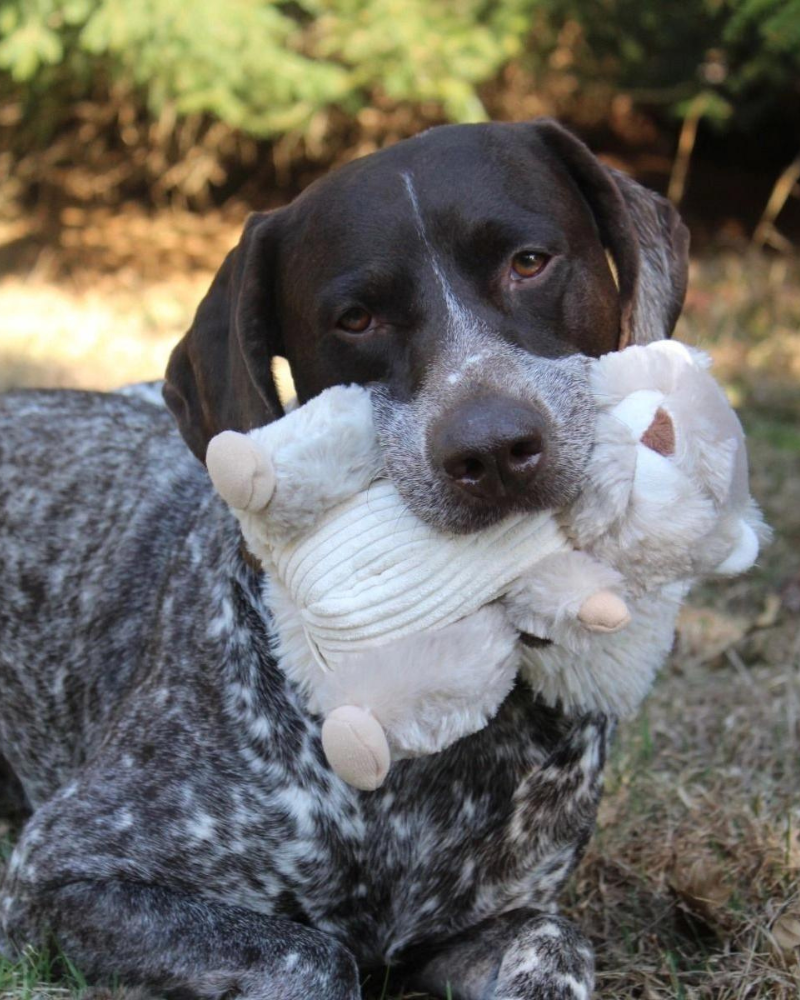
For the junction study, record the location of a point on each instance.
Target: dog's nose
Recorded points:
(489, 448)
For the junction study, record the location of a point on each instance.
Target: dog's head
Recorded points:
(465, 274)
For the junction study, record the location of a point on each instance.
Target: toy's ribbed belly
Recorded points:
(373, 572)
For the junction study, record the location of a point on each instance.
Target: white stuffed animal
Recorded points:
(392, 630)
(406, 638)
(665, 501)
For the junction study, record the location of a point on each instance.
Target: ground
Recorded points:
(689, 890)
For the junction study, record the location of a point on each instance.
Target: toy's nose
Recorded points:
(489, 448)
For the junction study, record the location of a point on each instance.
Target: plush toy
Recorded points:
(665, 501)
(406, 638)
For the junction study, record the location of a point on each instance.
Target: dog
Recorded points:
(185, 832)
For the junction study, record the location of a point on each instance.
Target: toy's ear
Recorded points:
(241, 472)
(219, 376)
(642, 231)
(660, 435)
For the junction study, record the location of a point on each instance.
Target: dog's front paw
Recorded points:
(355, 745)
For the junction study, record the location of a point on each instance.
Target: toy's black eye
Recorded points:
(355, 320)
(528, 263)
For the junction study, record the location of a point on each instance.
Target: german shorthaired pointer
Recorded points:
(186, 833)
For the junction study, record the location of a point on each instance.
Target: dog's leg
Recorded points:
(533, 954)
(521, 955)
(182, 944)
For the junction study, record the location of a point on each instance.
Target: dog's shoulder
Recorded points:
(67, 456)
(96, 493)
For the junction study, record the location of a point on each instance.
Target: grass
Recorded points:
(38, 974)
(689, 889)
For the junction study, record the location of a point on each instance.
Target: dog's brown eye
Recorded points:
(528, 263)
(355, 320)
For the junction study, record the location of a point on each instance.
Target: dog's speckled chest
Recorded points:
(238, 801)
(186, 759)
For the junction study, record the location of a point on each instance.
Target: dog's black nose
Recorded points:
(490, 447)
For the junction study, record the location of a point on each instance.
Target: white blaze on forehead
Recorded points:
(459, 317)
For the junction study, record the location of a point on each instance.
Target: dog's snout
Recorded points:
(489, 448)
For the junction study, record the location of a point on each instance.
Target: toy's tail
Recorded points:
(753, 533)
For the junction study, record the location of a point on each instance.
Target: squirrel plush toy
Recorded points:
(406, 638)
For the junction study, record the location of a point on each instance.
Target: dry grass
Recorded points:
(690, 888)
(103, 299)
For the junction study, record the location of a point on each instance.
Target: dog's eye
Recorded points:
(528, 263)
(355, 320)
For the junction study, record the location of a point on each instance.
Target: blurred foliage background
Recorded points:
(136, 134)
(186, 102)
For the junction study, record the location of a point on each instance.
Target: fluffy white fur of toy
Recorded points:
(424, 692)
(552, 594)
(654, 514)
(602, 674)
(659, 521)
(313, 471)
(656, 518)
(426, 688)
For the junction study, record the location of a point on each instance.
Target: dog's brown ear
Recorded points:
(219, 376)
(642, 231)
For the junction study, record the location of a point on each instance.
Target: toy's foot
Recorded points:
(241, 473)
(355, 745)
(604, 612)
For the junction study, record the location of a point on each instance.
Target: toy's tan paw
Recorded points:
(355, 745)
(604, 612)
(241, 473)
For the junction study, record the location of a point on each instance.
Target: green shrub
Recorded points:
(267, 67)
(287, 68)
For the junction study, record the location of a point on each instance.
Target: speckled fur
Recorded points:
(186, 832)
